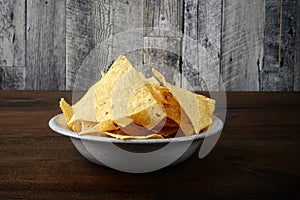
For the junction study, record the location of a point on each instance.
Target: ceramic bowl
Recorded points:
(135, 156)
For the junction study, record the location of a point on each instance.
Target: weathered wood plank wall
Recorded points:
(88, 23)
(43, 43)
(297, 50)
(202, 22)
(242, 43)
(163, 23)
(12, 44)
(278, 74)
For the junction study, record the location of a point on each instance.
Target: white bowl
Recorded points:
(135, 156)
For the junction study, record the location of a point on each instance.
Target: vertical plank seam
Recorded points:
(260, 69)
(295, 48)
(66, 74)
(25, 36)
(113, 4)
(182, 32)
(38, 84)
(144, 21)
(280, 35)
(220, 40)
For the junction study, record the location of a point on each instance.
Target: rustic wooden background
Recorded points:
(43, 42)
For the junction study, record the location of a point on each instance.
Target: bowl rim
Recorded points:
(215, 128)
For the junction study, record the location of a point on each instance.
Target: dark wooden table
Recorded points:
(257, 155)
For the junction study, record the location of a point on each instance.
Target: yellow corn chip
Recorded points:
(123, 95)
(125, 105)
(66, 109)
(68, 113)
(107, 125)
(174, 110)
(105, 88)
(130, 137)
(83, 110)
(194, 106)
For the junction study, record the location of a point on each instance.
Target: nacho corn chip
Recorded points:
(83, 110)
(125, 105)
(123, 96)
(129, 137)
(66, 109)
(68, 113)
(194, 106)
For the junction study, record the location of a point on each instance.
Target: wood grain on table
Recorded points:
(257, 155)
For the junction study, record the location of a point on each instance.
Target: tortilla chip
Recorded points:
(83, 110)
(197, 108)
(68, 114)
(125, 105)
(66, 109)
(153, 81)
(166, 131)
(85, 126)
(123, 96)
(107, 125)
(174, 111)
(130, 137)
(145, 109)
(206, 107)
(105, 87)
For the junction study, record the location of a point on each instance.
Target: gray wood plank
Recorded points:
(209, 34)
(128, 31)
(297, 50)
(163, 54)
(88, 47)
(12, 32)
(190, 72)
(277, 76)
(79, 36)
(242, 44)
(164, 14)
(163, 22)
(12, 77)
(202, 22)
(45, 59)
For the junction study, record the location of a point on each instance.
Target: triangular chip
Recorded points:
(123, 95)
(197, 108)
(174, 110)
(66, 109)
(105, 88)
(68, 114)
(206, 107)
(83, 110)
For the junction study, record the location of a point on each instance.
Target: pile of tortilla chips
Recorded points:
(124, 104)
